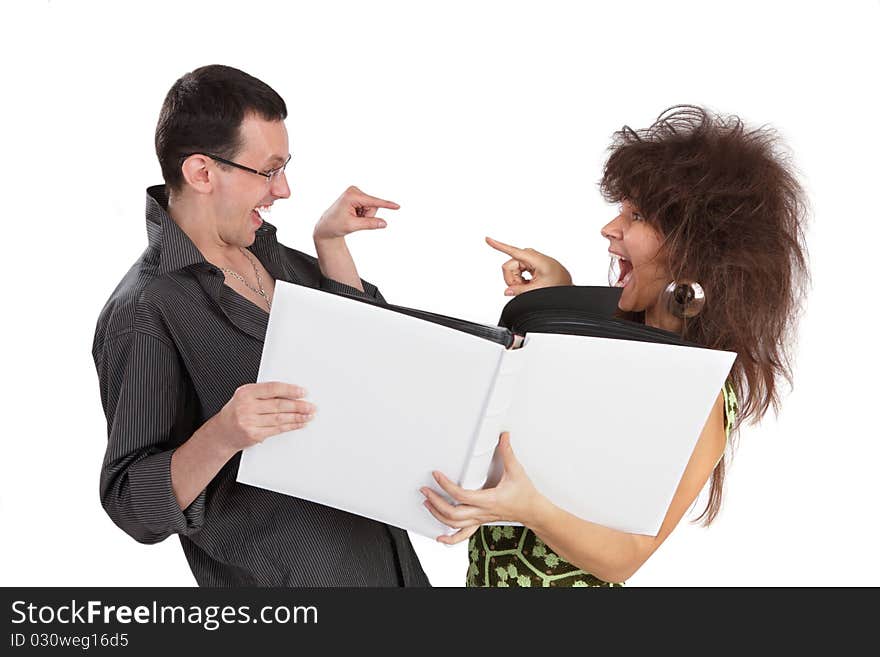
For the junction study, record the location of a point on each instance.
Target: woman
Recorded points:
(713, 206)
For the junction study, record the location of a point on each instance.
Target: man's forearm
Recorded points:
(336, 262)
(196, 462)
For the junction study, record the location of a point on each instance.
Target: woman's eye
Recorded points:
(637, 216)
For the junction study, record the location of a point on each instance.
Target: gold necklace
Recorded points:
(261, 291)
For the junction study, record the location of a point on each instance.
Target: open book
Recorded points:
(603, 413)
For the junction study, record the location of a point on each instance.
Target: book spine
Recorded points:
(478, 470)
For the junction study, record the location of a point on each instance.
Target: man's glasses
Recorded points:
(268, 175)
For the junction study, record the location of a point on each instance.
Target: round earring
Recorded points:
(683, 299)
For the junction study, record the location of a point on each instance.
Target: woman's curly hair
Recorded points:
(732, 215)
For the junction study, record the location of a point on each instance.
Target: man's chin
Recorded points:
(256, 219)
(249, 235)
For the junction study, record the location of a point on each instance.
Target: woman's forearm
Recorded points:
(610, 555)
(336, 262)
(613, 555)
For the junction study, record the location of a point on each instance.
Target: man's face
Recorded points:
(240, 195)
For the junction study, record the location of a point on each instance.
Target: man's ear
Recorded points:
(196, 174)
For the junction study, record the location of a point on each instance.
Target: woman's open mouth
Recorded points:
(620, 271)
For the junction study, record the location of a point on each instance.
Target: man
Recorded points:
(178, 347)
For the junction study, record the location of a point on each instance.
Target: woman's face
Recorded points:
(643, 269)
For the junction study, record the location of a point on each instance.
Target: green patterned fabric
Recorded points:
(515, 556)
(505, 555)
(730, 407)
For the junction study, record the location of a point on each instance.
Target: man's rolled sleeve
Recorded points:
(144, 390)
(370, 290)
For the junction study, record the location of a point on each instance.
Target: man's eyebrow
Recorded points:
(276, 159)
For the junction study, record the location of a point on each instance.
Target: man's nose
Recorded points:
(280, 188)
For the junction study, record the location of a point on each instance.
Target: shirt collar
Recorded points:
(177, 251)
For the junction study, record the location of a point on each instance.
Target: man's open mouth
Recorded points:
(263, 212)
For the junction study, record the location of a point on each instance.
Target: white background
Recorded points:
(478, 118)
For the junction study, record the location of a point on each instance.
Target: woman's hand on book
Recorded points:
(543, 270)
(514, 499)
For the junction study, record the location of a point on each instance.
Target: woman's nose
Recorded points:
(612, 230)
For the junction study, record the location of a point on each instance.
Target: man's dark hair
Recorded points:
(203, 112)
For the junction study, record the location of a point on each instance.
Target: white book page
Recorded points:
(605, 428)
(396, 397)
